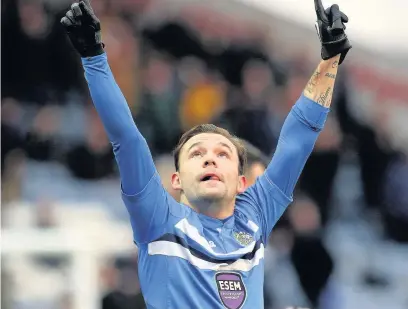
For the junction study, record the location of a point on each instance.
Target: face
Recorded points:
(208, 169)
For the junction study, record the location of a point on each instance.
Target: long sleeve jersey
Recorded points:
(188, 260)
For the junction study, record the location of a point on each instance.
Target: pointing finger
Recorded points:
(319, 9)
(335, 18)
(87, 2)
(86, 8)
(76, 10)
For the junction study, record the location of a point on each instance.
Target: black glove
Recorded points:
(83, 29)
(330, 28)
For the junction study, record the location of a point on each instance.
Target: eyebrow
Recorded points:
(226, 145)
(220, 143)
(193, 145)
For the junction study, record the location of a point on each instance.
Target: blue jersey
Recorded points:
(186, 259)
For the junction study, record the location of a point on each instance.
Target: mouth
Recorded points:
(208, 177)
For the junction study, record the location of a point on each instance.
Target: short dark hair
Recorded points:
(210, 128)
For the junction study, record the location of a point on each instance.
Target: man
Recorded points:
(206, 251)
(165, 168)
(255, 165)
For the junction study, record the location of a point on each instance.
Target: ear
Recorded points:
(176, 181)
(242, 184)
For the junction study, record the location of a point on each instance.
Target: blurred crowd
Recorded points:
(349, 221)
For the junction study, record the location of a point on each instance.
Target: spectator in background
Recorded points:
(248, 113)
(297, 259)
(396, 199)
(309, 256)
(256, 163)
(282, 286)
(165, 168)
(12, 154)
(94, 158)
(40, 143)
(203, 98)
(383, 173)
(122, 45)
(373, 155)
(12, 179)
(36, 47)
(123, 285)
(158, 114)
(11, 137)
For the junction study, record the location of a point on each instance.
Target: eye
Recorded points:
(223, 154)
(196, 154)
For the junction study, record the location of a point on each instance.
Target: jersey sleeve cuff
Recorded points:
(311, 112)
(94, 59)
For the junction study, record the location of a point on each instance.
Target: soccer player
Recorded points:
(207, 250)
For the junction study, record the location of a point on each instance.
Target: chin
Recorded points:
(212, 191)
(212, 194)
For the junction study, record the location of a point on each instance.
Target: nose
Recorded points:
(209, 161)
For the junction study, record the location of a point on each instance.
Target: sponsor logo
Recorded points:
(231, 289)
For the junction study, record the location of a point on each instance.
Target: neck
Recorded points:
(214, 209)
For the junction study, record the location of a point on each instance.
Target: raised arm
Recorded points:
(273, 191)
(131, 151)
(132, 154)
(300, 130)
(302, 126)
(142, 192)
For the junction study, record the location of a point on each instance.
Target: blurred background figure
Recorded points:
(310, 258)
(123, 290)
(66, 239)
(257, 162)
(165, 167)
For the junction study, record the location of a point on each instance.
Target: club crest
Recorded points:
(243, 238)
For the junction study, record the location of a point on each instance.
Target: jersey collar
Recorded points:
(210, 222)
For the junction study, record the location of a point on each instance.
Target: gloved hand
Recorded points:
(83, 29)
(330, 28)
